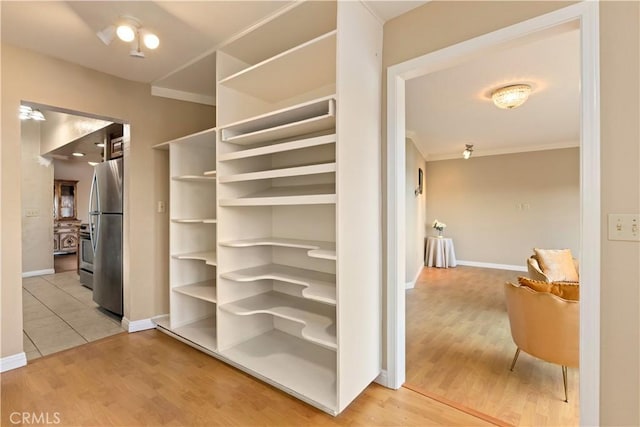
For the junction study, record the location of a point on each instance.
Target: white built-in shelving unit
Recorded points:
(290, 293)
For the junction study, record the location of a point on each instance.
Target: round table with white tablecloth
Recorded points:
(439, 252)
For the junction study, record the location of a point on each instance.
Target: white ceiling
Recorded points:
(445, 110)
(452, 107)
(189, 31)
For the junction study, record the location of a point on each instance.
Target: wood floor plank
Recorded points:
(459, 347)
(150, 379)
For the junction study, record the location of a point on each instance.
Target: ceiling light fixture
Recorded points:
(28, 113)
(100, 144)
(467, 151)
(92, 163)
(511, 96)
(77, 154)
(129, 30)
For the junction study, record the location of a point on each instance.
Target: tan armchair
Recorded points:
(544, 326)
(536, 273)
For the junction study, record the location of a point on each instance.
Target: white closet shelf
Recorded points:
(327, 250)
(313, 116)
(201, 332)
(205, 290)
(202, 137)
(318, 319)
(194, 178)
(210, 174)
(209, 257)
(280, 148)
(194, 220)
(281, 173)
(296, 195)
(301, 69)
(303, 369)
(318, 286)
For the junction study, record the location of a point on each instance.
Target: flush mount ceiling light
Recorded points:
(100, 144)
(129, 30)
(512, 96)
(28, 113)
(77, 154)
(467, 151)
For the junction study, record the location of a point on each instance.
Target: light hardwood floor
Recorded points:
(148, 378)
(459, 347)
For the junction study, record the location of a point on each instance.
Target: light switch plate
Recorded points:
(162, 207)
(32, 212)
(624, 227)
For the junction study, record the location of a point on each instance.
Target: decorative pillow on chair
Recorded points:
(557, 264)
(568, 291)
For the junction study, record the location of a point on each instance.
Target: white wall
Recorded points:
(37, 195)
(81, 172)
(498, 208)
(415, 212)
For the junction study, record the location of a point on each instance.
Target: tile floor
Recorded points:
(59, 313)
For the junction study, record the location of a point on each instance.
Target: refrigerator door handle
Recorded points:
(93, 215)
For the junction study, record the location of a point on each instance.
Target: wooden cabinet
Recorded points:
(66, 226)
(276, 268)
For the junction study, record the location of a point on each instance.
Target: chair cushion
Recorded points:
(557, 264)
(565, 290)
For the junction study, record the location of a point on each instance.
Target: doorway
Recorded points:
(60, 151)
(586, 15)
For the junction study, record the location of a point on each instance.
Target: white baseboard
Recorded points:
(38, 272)
(382, 379)
(137, 325)
(12, 362)
(492, 265)
(412, 284)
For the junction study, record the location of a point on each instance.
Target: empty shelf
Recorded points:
(318, 319)
(281, 173)
(201, 332)
(202, 290)
(194, 220)
(207, 136)
(301, 69)
(210, 174)
(208, 257)
(317, 249)
(279, 148)
(318, 286)
(296, 195)
(313, 116)
(300, 368)
(194, 178)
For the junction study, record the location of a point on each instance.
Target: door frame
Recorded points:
(586, 14)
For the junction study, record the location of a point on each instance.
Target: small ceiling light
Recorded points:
(100, 144)
(126, 32)
(92, 163)
(512, 96)
(28, 113)
(77, 154)
(151, 41)
(129, 30)
(467, 151)
(37, 115)
(106, 35)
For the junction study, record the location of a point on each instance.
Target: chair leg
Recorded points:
(564, 380)
(515, 358)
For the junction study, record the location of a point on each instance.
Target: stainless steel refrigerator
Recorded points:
(106, 226)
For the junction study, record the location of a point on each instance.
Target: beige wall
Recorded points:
(37, 177)
(81, 172)
(498, 208)
(36, 78)
(440, 24)
(415, 212)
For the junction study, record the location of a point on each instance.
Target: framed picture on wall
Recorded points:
(420, 182)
